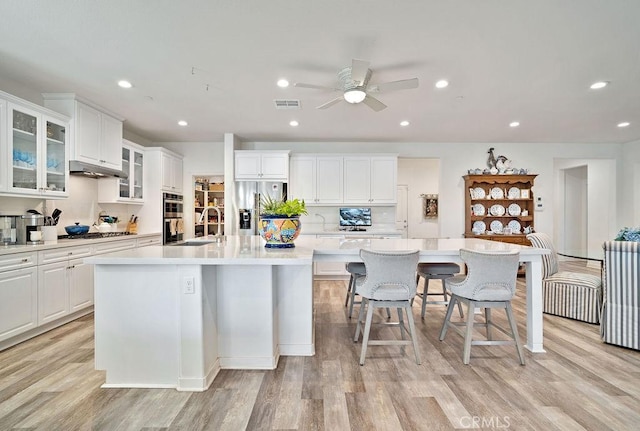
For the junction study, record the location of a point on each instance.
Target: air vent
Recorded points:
(287, 104)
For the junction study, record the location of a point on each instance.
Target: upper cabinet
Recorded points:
(171, 173)
(125, 190)
(261, 165)
(96, 137)
(35, 150)
(344, 179)
(370, 180)
(317, 179)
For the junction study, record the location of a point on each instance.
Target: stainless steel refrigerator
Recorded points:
(248, 197)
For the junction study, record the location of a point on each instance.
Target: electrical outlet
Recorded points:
(539, 203)
(188, 285)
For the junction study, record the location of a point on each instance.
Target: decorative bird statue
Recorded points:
(491, 160)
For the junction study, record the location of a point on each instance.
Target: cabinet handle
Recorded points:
(25, 260)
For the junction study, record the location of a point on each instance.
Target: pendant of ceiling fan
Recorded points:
(354, 85)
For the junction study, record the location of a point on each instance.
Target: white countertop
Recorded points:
(11, 249)
(250, 250)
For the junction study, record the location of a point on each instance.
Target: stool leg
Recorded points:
(360, 316)
(487, 320)
(447, 316)
(412, 329)
(466, 353)
(401, 322)
(349, 287)
(425, 292)
(353, 297)
(367, 329)
(514, 331)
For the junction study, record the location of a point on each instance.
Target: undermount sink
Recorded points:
(202, 241)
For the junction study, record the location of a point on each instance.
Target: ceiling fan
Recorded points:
(355, 88)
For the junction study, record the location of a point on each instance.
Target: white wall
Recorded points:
(422, 176)
(629, 190)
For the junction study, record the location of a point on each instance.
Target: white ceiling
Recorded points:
(506, 60)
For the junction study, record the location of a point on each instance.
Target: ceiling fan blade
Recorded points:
(374, 103)
(359, 69)
(403, 84)
(330, 103)
(315, 87)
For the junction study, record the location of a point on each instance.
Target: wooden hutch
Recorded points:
(496, 202)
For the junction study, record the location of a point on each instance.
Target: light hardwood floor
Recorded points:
(49, 383)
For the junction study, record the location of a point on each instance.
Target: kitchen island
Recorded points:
(173, 316)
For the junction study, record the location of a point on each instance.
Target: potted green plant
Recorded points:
(280, 221)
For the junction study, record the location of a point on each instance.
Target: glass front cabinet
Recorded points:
(38, 152)
(130, 189)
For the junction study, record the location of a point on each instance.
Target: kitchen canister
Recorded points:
(49, 234)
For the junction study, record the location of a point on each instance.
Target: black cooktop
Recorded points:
(93, 235)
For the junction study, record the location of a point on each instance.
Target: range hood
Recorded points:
(77, 167)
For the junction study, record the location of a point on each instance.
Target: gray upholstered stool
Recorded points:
(355, 270)
(490, 283)
(437, 271)
(389, 284)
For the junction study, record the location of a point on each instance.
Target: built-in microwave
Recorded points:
(173, 223)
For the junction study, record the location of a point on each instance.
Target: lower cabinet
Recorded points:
(18, 301)
(80, 285)
(63, 288)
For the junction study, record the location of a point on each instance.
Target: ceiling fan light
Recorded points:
(354, 96)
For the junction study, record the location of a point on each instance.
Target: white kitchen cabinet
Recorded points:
(125, 190)
(370, 180)
(171, 173)
(65, 284)
(96, 137)
(35, 150)
(317, 179)
(149, 240)
(261, 165)
(18, 294)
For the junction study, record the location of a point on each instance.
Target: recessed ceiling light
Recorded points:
(598, 85)
(442, 83)
(293, 123)
(182, 123)
(124, 84)
(283, 83)
(624, 124)
(514, 124)
(404, 123)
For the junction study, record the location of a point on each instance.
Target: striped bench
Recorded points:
(567, 294)
(621, 310)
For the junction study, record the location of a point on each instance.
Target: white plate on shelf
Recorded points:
(496, 193)
(496, 226)
(497, 210)
(515, 226)
(478, 210)
(478, 193)
(514, 210)
(514, 193)
(479, 227)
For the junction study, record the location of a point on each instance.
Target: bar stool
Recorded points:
(490, 283)
(437, 271)
(389, 283)
(355, 270)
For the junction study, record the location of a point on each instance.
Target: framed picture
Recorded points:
(524, 194)
(430, 206)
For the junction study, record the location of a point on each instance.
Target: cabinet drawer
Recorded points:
(143, 242)
(17, 261)
(65, 253)
(112, 246)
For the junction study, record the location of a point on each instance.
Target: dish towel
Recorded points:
(173, 226)
(180, 226)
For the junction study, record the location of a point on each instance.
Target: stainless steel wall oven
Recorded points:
(173, 224)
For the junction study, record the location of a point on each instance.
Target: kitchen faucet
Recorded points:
(323, 220)
(204, 214)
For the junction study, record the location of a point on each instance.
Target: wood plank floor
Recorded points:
(49, 383)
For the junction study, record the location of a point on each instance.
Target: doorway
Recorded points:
(576, 234)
